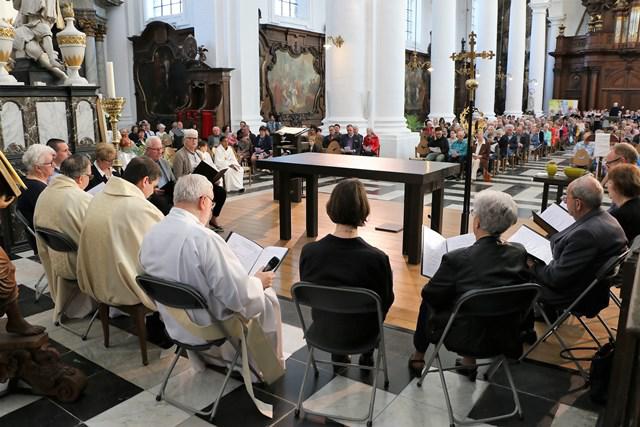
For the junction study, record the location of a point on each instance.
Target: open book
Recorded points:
(10, 182)
(211, 173)
(553, 219)
(252, 256)
(536, 245)
(435, 245)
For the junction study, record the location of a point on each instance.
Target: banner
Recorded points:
(563, 106)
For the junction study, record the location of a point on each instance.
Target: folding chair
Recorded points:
(357, 304)
(39, 290)
(635, 245)
(608, 270)
(480, 304)
(60, 242)
(180, 296)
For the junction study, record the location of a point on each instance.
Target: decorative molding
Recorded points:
(7, 33)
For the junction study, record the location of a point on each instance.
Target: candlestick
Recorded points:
(113, 107)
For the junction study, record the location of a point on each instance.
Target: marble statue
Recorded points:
(33, 33)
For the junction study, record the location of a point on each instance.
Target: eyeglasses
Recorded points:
(155, 149)
(616, 160)
(88, 175)
(210, 198)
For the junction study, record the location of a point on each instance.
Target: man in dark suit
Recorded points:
(350, 143)
(580, 250)
(162, 198)
(487, 263)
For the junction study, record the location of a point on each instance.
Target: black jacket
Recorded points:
(628, 215)
(442, 143)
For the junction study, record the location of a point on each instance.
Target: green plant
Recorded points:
(413, 122)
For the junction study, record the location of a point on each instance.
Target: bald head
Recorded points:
(153, 148)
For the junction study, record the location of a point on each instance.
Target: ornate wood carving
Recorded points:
(300, 99)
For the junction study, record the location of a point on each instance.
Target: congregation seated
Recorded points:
(488, 263)
(62, 152)
(102, 169)
(458, 149)
(214, 139)
(62, 207)
(225, 158)
(203, 152)
(480, 152)
(371, 144)
(438, 146)
(262, 148)
(38, 160)
(115, 223)
(181, 248)
(315, 139)
(624, 189)
(344, 259)
(162, 197)
(244, 148)
(351, 142)
(125, 152)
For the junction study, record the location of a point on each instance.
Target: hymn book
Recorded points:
(252, 256)
(208, 171)
(435, 245)
(553, 219)
(536, 245)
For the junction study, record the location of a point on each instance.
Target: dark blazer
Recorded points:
(97, 177)
(505, 142)
(525, 140)
(487, 263)
(578, 252)
(356, 144)
(628, 216)
(442, 143)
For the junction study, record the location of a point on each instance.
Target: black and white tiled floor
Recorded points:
(121, 391)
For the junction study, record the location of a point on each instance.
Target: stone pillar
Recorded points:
(101, 30)
(537, 53)
(486, 68)
(443, 45)
(88, 26)
(388, 70)
(245, 59)
(345, 93)
(555, 21)
(515, 60)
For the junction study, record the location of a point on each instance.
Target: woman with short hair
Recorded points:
(344, 259)
(624, 189)
(102, 167)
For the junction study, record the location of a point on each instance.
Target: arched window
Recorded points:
(291, 8)
(166, 8)
(413, 21)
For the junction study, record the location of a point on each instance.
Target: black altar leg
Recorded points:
(545, 196)
(405, 221)
(312, 205)
(414, 216)
(284, 199)
(437, 202)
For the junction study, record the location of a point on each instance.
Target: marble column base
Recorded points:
(398, 146)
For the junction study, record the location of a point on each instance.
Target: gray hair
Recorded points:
(152, 138)
(34, 155)
(75, 166)
(495, 210)
(191, 133)
(588, 189)
(190, 188)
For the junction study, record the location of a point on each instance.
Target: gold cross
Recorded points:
(472, 54)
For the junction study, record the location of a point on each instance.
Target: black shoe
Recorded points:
(366, 359)
(528, 337)
(470, 372)
(241, 190)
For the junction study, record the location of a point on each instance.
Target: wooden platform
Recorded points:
(255, 216)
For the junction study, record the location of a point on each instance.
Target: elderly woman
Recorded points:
(371, 144)
(624, 189)
(344, 259)
(225, 158)
(38, 160)
(102, 167)
(488, 263)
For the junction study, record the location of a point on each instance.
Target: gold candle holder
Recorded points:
(113, 107)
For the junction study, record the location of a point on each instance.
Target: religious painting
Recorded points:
(294, 82)
(416, 88)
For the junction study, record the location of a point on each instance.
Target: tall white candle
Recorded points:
(111, 83)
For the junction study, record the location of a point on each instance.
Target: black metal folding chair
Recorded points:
(40, 289)
(635, 245)
(60, 242)
(479, 305)
(181, 296)
(356, 304)
(608, 270)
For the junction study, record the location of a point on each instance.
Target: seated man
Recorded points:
(438, 146)
(350, 142)
(183, 249)
(488, 263)
(116, 220)
(62, 207)
(162, 197)
(458, 150)
(581, 249)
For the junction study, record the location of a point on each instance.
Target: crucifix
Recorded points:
(471, 85)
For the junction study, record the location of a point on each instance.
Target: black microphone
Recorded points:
(273, 263)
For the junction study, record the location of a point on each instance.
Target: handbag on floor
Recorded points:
(600, 373)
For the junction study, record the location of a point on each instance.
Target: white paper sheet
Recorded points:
(246, 250)
(98, 188)
(433, 247)
(463, 241)
(265, 256)
(602, 145)
(557, 217)
(535, 244)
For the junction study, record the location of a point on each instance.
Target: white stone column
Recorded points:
(245, 59)
(389, 68)
(345, 78)
(537, 53)
(442, 46)
(515, 60)
(90, 60)
(555, 20)
(487, 20)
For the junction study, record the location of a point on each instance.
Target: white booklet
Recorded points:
(536, 245)
(435, 245)
(553, 219)
(252, 256)
(98, 188)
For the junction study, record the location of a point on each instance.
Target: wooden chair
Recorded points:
(422, 150)
(137, 313)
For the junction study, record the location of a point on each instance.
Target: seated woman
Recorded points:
(102, 167)
(624, 189)
(489, 262)
(371, 144)
(263, 148)
(126, 152)
(225, 157)
(203, 152)
(480, 152)
(344, 259)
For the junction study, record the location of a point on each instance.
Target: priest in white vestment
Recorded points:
(181, 248)
(225, 157)
(62, 207)
(117, 219)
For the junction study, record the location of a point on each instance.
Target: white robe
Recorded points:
(180, 248)
(227, 159)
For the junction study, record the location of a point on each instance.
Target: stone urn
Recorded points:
(72, 43)
(552, 168)
(7, 34)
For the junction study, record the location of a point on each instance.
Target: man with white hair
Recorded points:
(181, 248)
(162, 198)
(186, 160)
(214, 138)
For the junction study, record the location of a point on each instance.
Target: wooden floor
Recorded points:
(255, 216)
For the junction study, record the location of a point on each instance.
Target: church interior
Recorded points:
(319, 212)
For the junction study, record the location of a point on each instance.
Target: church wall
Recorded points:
(6, 10)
